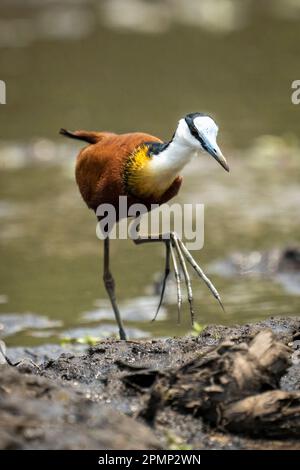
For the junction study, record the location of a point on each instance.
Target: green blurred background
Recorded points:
(126, 65)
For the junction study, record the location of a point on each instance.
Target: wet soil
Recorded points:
(96, 399)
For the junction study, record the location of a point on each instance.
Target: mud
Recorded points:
(96, 399)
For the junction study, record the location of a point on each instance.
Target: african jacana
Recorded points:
(146, 170)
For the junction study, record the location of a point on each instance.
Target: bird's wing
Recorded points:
(99, 166)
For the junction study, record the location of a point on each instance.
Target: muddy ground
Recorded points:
(97, 399)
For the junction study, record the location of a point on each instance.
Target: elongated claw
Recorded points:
(174, 246)
(178, 281)
(200, 273)
(166, 275)
(177, 247)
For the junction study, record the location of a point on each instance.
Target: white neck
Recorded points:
(170, 161)
(158, 175)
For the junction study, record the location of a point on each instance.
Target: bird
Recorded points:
(146, 170)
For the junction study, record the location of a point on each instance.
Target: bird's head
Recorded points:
(199, 131)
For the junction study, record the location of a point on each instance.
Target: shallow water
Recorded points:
(51, 263)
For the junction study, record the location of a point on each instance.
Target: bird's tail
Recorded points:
(90, 137)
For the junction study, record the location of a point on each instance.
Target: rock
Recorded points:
(3, 359)
(37, 413)
(227, 387)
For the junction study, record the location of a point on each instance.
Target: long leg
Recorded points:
(178, 280)
(185, 273)
(182, 253)
(166, 238)
(166, 274)
(160, 238)
(110, 288)
(200, 273)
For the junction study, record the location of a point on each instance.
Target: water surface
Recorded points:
(123, 79)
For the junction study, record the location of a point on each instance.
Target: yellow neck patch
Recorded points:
(140, 179)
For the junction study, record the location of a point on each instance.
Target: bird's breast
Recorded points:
(142, 178)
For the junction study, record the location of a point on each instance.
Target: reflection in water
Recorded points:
(281, 266)
(94, 65)
(139, 309)
(14, 322)
(105, 330)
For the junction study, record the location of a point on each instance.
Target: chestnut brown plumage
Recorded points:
(100, 167)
